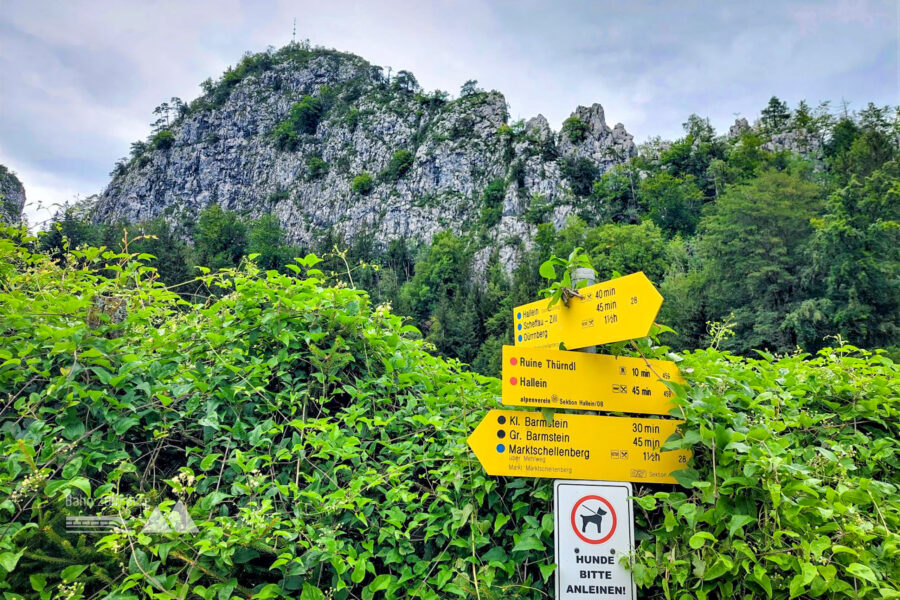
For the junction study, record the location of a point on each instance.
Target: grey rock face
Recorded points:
(12, 197)
(797, 140)
(740, 126)
(226, 154)
(603, 145)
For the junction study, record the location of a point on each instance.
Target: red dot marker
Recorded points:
(512, 361)
(513, 380)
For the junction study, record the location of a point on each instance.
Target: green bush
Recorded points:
(575, 129)
(582, 173)
(538, 209)
(363, 184)
(266, 243)
(320, 451)
(318, 447)
(163, 140)
(216, 93)
(303, 119)
(492, 203)
(351, 119)
(278, 195)
(794, 485)
(517, 173)
(316, 168)
(220, 238)
(674, 204)
(401, 162)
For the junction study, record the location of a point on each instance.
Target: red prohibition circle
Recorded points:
(612, 511)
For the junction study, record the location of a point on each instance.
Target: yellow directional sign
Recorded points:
(547, 378)
(518, 443)
(619, 309)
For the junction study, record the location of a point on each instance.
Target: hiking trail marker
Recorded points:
(619, 309)
(593, 519)
(572, 446)
(547, 378)
(593, 529)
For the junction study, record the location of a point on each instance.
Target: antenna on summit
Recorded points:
(294, 32)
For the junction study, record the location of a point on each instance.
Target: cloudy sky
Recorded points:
(80, 79)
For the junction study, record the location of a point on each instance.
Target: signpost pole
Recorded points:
(590, 276)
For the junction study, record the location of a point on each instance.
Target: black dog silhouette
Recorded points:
(596, 518)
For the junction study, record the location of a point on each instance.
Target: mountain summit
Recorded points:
(326, 141)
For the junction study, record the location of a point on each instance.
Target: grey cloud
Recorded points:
(103, 74)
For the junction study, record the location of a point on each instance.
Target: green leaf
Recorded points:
(8, 560)
(646, 502)
(269, 590)
(72, 572)
(827, 572)
(737, 523)
(208, 461)
(808, 571)
(529, 542)
(547, 270)
(500, 520)
(224, 592)
(796, 586)
(311, 592)
(359, 571)
(120, 426)
(775, 493)
(722, 565)
(863, 572)
(670, 521)
(72, 467)
(699, 539)
(548, 413)
(686, 477)
(763, 579)
(38, 581)
(495, 554)
(83, 484)
(380, 583)
(841, 549)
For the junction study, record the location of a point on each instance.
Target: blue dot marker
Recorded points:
(520, 327)
(500, 448)
(520, 338)
(518, 315)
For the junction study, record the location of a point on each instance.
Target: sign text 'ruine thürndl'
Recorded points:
(547, 378)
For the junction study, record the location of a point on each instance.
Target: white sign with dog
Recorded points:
(594, 529)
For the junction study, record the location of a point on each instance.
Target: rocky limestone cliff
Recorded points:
(12, 197)
(225, 148)
(799, 141)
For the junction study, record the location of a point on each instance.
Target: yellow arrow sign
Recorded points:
(518, 443)
(619, 309)
(547, 378)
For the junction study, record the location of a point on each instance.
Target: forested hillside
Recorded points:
(317, 448)
(785, 230)
(323, 140)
